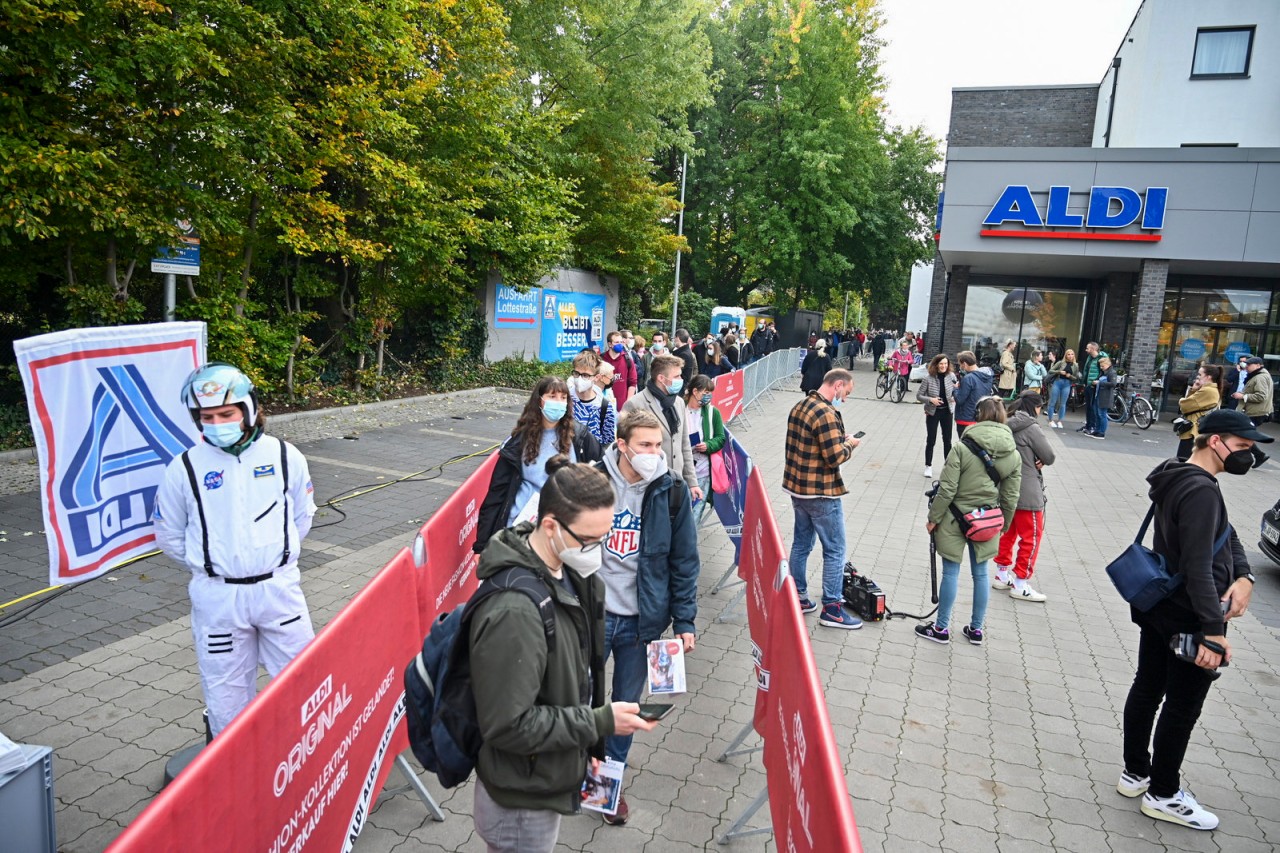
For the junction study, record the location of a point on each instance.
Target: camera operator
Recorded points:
(1189, 516)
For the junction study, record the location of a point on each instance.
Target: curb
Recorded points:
(25, 454)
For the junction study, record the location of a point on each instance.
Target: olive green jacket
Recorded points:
(966, 484)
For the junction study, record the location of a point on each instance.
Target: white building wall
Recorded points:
(1158, 105)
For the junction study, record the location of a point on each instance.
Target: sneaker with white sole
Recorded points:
(1181, 809)
(835, 616)
(928, 471)
(806, 605)
(1003, 578)
(1132, 785)
(1024, 592)
(973, 635)
(932, 632)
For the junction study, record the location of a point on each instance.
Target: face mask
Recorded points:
(585, 563)
(1237, 462)
(657, 348)
(647, 465)
(554, 410)
(631, 344)
(618, 347)
(676, 386)
(836, 401)
(223, 435)
(583, 385)
(705, 399)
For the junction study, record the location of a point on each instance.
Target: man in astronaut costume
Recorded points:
(235, 509)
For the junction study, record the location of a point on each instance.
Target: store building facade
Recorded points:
(1056, 230)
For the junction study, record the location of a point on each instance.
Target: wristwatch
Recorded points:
(1249, 577)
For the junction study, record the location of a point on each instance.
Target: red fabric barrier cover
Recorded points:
(300, 768)
(448, 574)
(727, 396)
(758, 564)
(808, 797)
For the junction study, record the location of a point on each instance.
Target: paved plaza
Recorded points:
(1010, 747)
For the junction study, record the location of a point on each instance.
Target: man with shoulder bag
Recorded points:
(1183, 635)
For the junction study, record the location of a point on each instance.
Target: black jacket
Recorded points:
(507, 474)
(1229, 383)
(690, 364)
(1190, 515)
(812, 371)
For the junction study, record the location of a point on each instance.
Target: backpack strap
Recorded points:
(1218, 544)
(987, 462)
(284, 473)
(519, 579)
(204, 525)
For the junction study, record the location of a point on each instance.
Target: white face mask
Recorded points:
(582, 385)
(647, 465)
(585, 563)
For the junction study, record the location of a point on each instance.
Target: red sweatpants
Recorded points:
(1028, 526)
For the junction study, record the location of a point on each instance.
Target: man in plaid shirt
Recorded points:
(816, 447)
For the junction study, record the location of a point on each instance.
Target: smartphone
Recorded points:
(654, 711)
(859, 434)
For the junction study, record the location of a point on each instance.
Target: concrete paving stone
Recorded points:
(1007, 844)
(919, 799)
(682, 826)
(960, 838)
(1020, 824)
(871, 814)
(119, 800)
(75, 784)
(126, 759)
(1029, 800)
(87, 751)
(1057, 764)
(1014, 753)
(957, 809)
(93, 840)
(907, 826)
(973, 765)
(1181, 838)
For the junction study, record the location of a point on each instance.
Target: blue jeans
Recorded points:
(1100, 419)
(1090, 397)
(622, 640)
(1059, 393)
(823, 518)
(951, 585)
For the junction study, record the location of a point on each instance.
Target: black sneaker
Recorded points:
(974, 635)
(931, 632)
(1097, 435)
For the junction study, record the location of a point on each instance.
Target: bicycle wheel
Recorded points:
(899, 388)
(1075, 397)
(1143, 412)
(1119, 411)
(882, 386)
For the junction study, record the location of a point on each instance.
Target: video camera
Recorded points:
(862, 595)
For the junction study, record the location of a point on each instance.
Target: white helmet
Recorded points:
(219, 384)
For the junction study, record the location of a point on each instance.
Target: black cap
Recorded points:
(1255, 359)
(1232, 422)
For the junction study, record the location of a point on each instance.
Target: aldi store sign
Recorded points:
(1110, 209)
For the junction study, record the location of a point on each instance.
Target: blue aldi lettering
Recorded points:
(1109, 207)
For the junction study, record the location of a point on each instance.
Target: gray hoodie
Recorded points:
(1032, 446)
(622, 548)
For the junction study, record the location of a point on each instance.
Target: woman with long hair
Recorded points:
(938, 393)
(543, 430)
(1204, 394)
(706, 434)
(713, 362)
(1062, 375)
(815, 366)
(964, 487)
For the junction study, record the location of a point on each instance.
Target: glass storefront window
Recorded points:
(1037, 318)
(1224, 306)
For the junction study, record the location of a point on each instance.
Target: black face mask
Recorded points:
(1237, 461)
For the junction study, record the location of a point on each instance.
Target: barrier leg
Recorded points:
(724, 579)
(420, 789)
(735, 829)
(735, 746)
(732, 605)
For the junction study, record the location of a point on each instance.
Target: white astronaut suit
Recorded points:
(238, 521)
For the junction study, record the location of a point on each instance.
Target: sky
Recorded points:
(936, 45)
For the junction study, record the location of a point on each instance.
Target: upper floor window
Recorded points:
(1222, 52)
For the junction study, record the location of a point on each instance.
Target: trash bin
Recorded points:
(26, 804)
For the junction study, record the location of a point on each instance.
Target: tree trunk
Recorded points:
(382, 348)
(247, 271)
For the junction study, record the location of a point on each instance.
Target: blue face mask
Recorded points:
(618, 347)
(706, 399)
(554, 410)
(836, 401)
(676, 386)
(223, 435)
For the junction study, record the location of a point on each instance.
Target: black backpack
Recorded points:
(439, 703)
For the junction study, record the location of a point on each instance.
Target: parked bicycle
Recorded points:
(1130, 404)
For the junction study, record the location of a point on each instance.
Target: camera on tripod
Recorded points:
(862, 595)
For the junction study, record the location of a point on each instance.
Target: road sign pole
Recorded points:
(170, 297)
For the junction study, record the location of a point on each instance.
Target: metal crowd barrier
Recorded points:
(760, 376)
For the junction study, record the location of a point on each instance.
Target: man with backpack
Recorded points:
(651, 564)
(539, 694)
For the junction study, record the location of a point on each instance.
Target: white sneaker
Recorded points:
(1022, 591)
(1181, 809)
(928, 470)
(1133, 786)
(1003, 578)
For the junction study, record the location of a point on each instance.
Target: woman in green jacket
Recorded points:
(967, 485)
(706, 434)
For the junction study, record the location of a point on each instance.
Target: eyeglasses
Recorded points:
(587, 547)
(582, 375)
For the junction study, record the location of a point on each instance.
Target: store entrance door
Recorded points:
(1198, 342)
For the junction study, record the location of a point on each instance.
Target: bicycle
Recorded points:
(882, 383)
(1131, 404)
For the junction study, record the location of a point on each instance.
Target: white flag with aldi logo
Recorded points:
(107, 418)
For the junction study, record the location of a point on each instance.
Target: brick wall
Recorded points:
(958, 296)
(1119, 310)
(1054, 117)
(1145, 326)
(936, 296)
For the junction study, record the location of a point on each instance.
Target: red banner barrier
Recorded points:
(808, 797)
(758, 564)
(727, 396)
(447, 576)
(300, 768)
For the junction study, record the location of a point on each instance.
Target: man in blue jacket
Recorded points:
(651, 564)
(975, 383)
